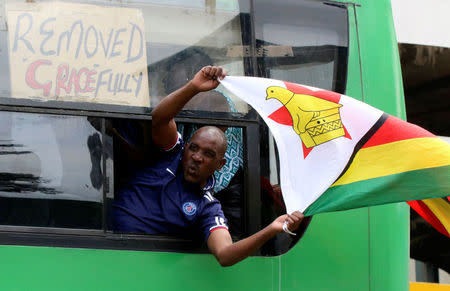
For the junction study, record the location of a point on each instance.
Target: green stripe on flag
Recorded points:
(406, 186)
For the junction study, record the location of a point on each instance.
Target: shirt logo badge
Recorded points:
(189, 208)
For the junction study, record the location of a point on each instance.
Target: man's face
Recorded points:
(202, 156)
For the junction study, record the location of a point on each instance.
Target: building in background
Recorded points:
(424, 46)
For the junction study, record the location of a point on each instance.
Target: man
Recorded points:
(172, 195)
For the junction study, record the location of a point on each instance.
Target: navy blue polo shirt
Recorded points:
(158, 200)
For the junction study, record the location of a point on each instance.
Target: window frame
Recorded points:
(106, 239)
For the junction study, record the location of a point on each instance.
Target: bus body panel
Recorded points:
(49, 268)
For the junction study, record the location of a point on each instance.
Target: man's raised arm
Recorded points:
(164, 130)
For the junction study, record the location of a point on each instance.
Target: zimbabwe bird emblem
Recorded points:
(315, 120)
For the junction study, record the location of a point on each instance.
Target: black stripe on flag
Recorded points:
(363, 141)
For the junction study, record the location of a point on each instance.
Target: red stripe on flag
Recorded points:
(395, 129)
(428, 215)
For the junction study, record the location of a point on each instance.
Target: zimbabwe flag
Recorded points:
(397, 161)
(338, 153)
(436, 211)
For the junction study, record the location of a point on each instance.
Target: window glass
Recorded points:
(114, 52)
(50, 170)
(303, 42)
(210, 32)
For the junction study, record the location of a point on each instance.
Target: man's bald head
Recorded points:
(217, 134)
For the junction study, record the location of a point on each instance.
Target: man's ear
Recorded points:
(222, 162)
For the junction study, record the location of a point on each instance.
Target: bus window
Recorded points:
(133, 149)
(50, 171)
(86, 64)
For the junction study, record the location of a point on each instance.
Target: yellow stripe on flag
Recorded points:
(396, 157)
(441, 209)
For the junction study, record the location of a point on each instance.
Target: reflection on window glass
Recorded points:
(208, 35)
(302, 42)
(50, 170)
(5, 89)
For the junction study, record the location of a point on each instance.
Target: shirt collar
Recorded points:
(210, 183)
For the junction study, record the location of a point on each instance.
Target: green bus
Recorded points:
(77, 85)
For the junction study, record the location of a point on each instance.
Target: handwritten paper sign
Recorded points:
(78, 52)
